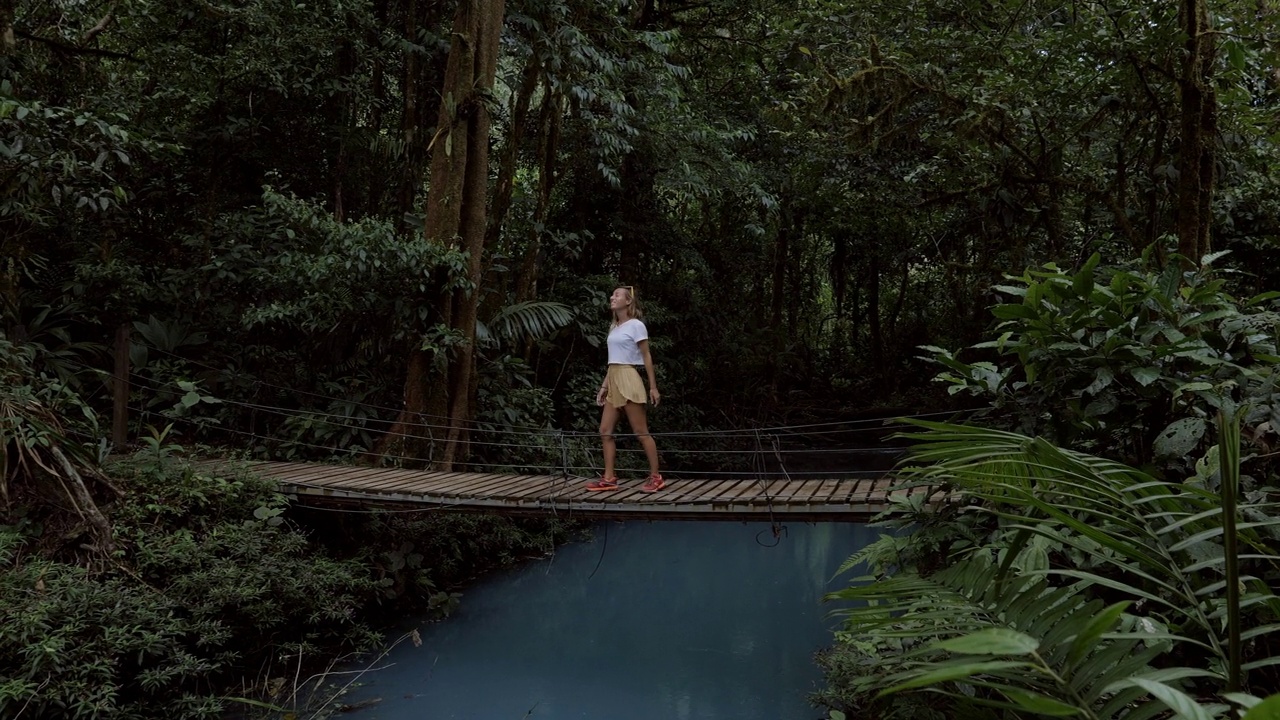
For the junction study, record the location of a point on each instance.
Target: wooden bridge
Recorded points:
(736, 498)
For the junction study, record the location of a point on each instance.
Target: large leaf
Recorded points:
(1268, 709)
(527, 320)
(1147, 541)
(992, 641)
(1180, 437)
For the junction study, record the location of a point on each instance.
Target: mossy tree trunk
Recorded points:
(456, 215)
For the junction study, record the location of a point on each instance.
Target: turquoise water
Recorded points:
(687, 619)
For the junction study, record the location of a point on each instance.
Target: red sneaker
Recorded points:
(654, 483)
(609, 483)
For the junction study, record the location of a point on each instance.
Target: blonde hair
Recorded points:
(636, 311)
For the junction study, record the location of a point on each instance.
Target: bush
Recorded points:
(208, 581)
(78, 646)
(213, 585)
(1127, 362)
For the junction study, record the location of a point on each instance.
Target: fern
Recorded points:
(1154, 541)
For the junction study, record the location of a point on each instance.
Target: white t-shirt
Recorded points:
(623, 343)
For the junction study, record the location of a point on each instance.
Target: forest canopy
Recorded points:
(339, 207)
(386, 230)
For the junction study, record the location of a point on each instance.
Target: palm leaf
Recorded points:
(1155, 542)
(1067, 651)
(531, 320)
(1149, 537)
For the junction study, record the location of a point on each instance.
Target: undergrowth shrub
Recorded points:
(215, 584)
(421, 558)
(1129, 362)
(207, 585)
(77, 646)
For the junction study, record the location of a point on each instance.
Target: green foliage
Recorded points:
(219, 545)
(38, 415)
(318, 274)
(213, 584)
(1129, 362)
(207, 581)
(524, 321)
(76, 646)
(57, 160)
(1100, 591)
(460, 546)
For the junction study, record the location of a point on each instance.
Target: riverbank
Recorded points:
(218, 589)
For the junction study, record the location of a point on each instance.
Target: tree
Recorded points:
(456, 214)
(1199, 125)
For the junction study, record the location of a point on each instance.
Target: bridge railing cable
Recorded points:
(566, 469)
(829, 427)
(542, 450)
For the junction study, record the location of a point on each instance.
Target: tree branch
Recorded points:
(80, 495)
(67, 48)
(103, 24)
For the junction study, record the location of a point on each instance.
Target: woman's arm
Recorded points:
(654, 395)
(604, 390)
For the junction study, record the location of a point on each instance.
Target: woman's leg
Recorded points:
(608, 421)
(640, 426)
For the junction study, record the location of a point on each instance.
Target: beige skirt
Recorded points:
(624, 385)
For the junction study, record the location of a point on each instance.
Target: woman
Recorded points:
(622, 389)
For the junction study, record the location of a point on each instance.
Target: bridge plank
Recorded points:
(319, 479)
(361, 477)
(714, 488)
(443, 481)
(490, 485)
(678, 491)
(635, 491)
(411, 484)
(823, 494)
(785, 490)
(732, 492)
(293, 471)
(376, 479)
(745, 496)
(502, 487)
(538, 486)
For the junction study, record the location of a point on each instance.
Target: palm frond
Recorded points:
(1158, 543)
(1029, 645)
(531, 320)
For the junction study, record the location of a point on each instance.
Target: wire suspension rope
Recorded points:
(529, 429)
(553, 438)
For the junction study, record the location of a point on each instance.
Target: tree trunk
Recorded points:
(505, 184)
(417, 73)
(8, 42)
(120, 389)
(903, 285)
(873, 313)
(781, 250)
(1198, 125)
(548, 145)
(346, 63)
(456, 214)
(778, 292)
(83, 502)
(839, 274)
(487, 21)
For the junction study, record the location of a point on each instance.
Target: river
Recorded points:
(710, 620)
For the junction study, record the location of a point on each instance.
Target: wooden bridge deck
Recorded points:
(729, 498)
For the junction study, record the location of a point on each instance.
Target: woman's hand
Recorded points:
(654, 396)
(600, 396)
